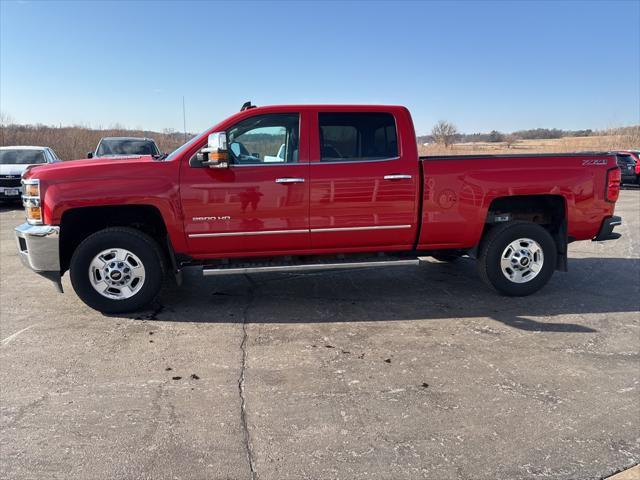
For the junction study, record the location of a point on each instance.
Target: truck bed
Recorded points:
(458, 191)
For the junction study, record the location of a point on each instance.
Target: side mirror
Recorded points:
(215, 155)
(89, 154)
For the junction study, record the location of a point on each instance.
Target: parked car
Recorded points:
(14, 161)
(350, 192)
(629, 163)
(124, 147)
(629, 167)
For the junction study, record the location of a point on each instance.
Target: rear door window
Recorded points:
(358, 136)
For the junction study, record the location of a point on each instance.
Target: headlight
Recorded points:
(31, 200)
(32, 189)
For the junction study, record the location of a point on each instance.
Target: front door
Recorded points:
(364, 181)
(260, 204)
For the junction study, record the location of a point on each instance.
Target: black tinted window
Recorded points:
(625, 159)
(357, 136)
(126, 147)
(21, 157)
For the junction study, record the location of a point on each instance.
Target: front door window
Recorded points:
(265, 139)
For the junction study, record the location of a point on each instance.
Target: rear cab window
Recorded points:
(357, 136)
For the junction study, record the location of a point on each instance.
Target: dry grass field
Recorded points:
(553, 145)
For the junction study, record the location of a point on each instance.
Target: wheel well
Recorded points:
(78, 223)
(548, 211)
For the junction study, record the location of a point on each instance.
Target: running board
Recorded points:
(305, 267)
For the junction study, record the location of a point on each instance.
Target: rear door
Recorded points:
(364, 180)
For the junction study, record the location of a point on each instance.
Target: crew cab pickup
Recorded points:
(305, 187)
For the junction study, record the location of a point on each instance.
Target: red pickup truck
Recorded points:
(308, 187)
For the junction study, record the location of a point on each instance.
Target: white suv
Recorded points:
(14, 161)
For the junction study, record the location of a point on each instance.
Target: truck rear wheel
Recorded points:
(117, 270)
(517, 258)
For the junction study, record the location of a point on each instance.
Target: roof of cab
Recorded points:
(128, 138)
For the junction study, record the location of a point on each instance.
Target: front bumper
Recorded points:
(38, 247)
(606, 230)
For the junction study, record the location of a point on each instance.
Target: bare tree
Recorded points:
(444, 132)
(510, 140)
(5, 119)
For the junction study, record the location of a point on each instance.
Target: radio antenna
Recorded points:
(184, 121)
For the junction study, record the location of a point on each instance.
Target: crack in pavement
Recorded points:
(241, 379)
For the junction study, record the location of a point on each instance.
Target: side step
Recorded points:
(306, 267)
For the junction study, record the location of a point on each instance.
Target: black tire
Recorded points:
(495, 243)
(446, 257)
(138, 243)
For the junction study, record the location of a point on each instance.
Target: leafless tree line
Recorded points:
(74, 142)
(71, 143)
(446, 134)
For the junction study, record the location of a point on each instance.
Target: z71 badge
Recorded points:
(599, 161)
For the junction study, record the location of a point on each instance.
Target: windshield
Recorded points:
(184, 147)
(126, 147)
(21, 157)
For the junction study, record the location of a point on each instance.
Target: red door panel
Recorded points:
(352, 205)
(364, 204)
(244, 209)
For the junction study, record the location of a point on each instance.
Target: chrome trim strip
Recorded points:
(355, 229)
(268, 164)
(309, 267)
(289, 180)
(313, 230)
(245, 234)
(400, 176)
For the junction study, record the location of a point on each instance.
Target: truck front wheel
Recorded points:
(117, 270)
(517, 258)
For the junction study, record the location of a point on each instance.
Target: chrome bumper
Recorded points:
(38, 247)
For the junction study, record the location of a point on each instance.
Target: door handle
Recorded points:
(289, 180)
(397, 177)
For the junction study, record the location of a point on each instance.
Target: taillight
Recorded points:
(613, 184)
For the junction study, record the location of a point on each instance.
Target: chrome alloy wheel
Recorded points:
(116, 273)
(522, 260)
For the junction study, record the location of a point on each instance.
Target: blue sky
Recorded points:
(482, 65)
